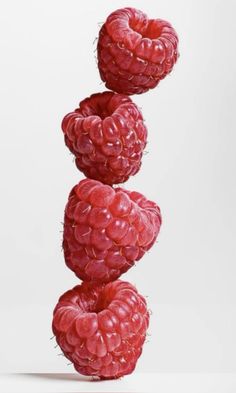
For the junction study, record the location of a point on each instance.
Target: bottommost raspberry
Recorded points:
(101, 329)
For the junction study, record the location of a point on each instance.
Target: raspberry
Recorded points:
(101, 328)
(107, 135)
(134, 52)
(106, 230)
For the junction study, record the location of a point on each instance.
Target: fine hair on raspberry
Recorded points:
(107, 135)
(101, 329)
(134, 52)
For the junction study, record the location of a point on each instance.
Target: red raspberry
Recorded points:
(107, 135)
(106, 230)
(101, 328)
(134, 52)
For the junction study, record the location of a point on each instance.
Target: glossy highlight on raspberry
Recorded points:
(101, 328)
(134, 52)
(107, 135)
(107, 229)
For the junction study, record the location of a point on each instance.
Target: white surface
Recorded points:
(47, 67)
(148, 383)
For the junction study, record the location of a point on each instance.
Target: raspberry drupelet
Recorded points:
(134, 52)
(107, 135)
(101, 329)
(106, 230)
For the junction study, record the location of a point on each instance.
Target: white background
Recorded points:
(47, 67)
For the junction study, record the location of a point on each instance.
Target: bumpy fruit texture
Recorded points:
(106, 230)
(101, 328)
(107, 135)
(134, 52)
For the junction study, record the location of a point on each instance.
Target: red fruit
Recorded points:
(107, 135)
(101, 328)
(134, 52)
(106, 230)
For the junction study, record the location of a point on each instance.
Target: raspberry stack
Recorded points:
(101, 324)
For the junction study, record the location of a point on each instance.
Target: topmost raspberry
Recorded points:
(134, 52)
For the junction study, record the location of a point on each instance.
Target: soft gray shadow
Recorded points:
(65, 377)
(61, 377)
